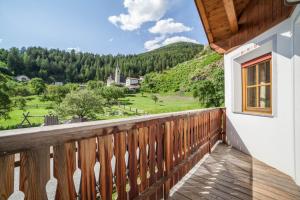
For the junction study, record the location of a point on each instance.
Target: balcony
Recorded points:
(149, 157)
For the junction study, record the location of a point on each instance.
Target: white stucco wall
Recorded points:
(297, 94)
(270, 139)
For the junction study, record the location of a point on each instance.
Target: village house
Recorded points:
(260, 41)
(22, 78)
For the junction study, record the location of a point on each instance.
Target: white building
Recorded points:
(262, 79)
(131, 81)
(22, 78)
(110, 81)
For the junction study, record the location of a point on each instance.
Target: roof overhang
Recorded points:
(230, 23)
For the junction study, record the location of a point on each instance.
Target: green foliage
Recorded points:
(55, 65)
(154, 98)
(5, 102)
(56, 93)
(112, 93)
(81, 104)
(203, 76)
(37, 86)
(17, 89)
(92, 85)
(179, 77)
(20, 103)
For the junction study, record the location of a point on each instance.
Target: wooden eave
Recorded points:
(230, 23)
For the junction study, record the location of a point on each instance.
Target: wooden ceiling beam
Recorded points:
(231, 15)
(204, 19)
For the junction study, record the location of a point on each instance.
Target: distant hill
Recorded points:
(58, 65)
(206, 68)
(179, 48)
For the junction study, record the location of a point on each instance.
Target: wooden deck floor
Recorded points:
(229, 174)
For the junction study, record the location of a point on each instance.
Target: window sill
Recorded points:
(270, 115)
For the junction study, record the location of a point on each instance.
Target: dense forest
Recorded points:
(57, 65)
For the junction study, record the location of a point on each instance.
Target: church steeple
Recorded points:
(117, 74)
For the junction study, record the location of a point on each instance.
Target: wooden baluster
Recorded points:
(143, 158)
(180, 143)
(133, 163)
(159, 154)
(105, 156)
(64, 168)
(152, 161)
(87, 158)
(168, 140)
(175, 149)
(120, 149)
(6, 176)
(186, 142)
(35, 173)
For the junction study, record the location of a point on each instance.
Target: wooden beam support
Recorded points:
(204, 19)
(231, 15)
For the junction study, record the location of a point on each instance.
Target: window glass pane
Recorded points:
(251, 97)
(251, 75)
(265, 96)
(264, 72)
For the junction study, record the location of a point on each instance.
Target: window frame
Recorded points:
(255, 62)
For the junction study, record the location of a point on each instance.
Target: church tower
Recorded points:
(117, 74)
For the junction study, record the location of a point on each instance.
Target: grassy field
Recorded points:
(144, 104)
(166, 103)
(34, 106)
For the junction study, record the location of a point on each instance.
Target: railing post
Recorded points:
(209, 132)
(224, 126)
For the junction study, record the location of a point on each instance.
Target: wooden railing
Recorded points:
(140, 158)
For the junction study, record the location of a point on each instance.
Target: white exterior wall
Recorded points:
(297, 94)
(271, 139)
(131, 81)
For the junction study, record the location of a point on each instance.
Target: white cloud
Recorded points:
(169, 26)
(161, 41)
(76, 49)
(139, 12)
(175, 39)
(153, 44)
(111, 39)
(1, 40)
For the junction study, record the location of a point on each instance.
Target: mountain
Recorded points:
(203, 76)
(58, 65)
(179, 48)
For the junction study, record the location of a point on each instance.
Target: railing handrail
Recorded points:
(12, 141)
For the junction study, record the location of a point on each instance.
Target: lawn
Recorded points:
(143, 103)
(34, 106)
(166, 103)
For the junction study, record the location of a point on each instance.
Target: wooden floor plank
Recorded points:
(235, 175)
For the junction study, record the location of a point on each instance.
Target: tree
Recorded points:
(81, 104)
(5, 102)
(57, 93)
(20, 102)
(37, 86)
(211, 92)
(112, 93)
(95, 84)
(154, 98)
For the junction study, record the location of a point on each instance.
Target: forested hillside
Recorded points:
(203, 76)
(57, 65)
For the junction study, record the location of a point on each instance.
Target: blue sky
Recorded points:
(99, 26)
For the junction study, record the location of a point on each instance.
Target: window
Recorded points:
(257, 85)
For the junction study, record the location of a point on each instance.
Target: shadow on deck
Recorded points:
(230, 174)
